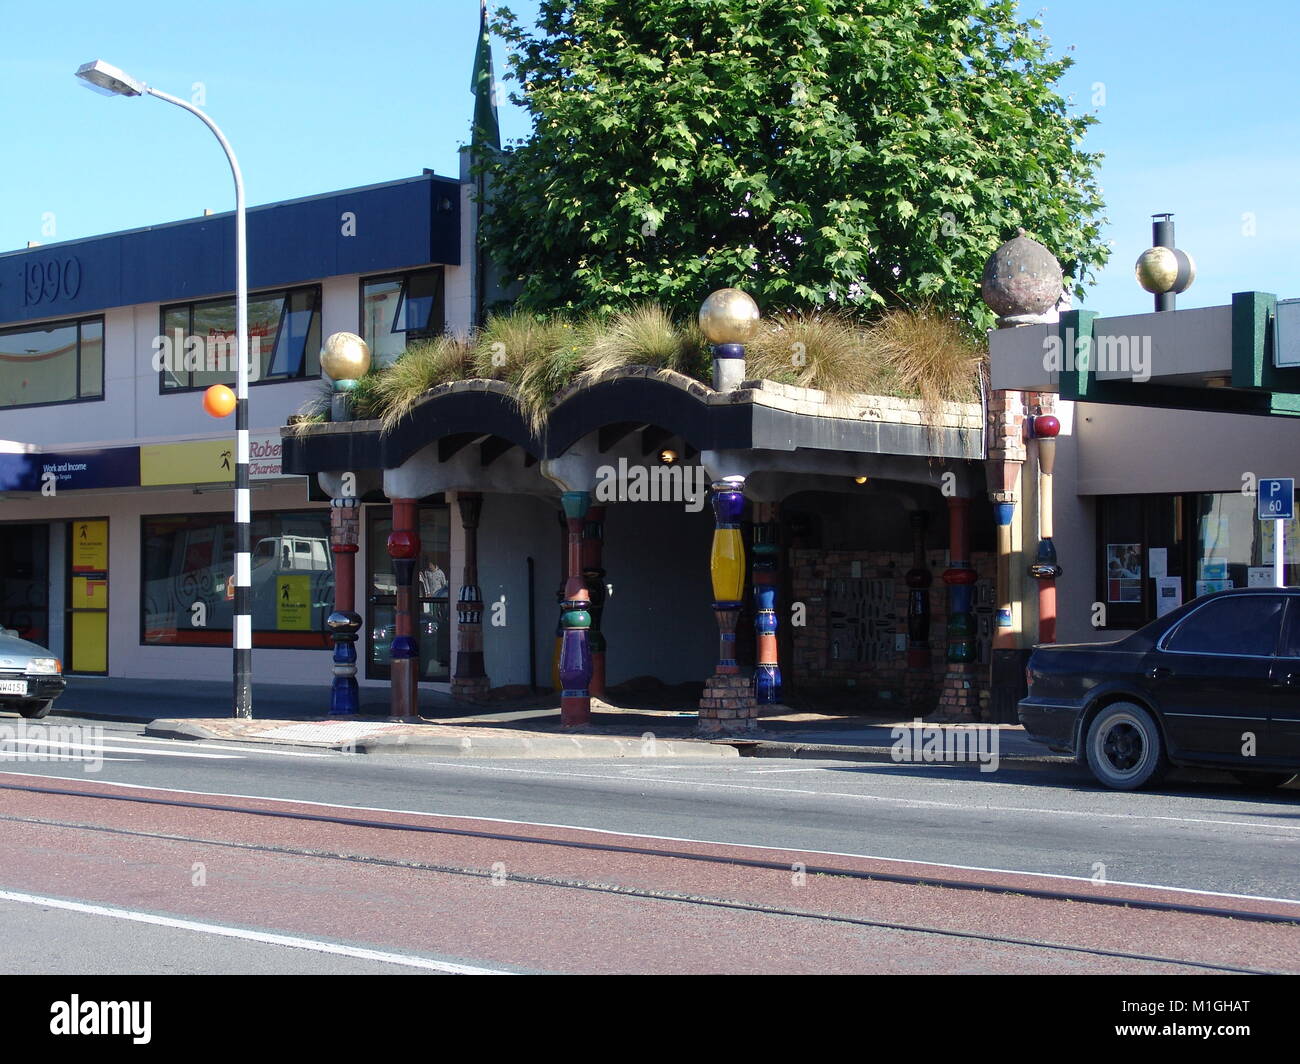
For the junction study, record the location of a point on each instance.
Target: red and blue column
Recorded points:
(593, 544)
(404, 550)
(575, 620)
(344, 623)
(765, 574)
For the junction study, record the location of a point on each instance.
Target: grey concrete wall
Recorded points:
(658, 619)
(1128, 450)
(511, 529)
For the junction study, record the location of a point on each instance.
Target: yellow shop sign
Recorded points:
(193, 462)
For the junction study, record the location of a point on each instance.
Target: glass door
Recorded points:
(87, 598)
(433, 613)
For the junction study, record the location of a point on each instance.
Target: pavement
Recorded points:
(526, 727)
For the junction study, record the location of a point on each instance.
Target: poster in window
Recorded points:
(1169, 594)
(293, 603)
(1123, 572)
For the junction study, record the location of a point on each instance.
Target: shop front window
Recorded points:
(188, 580)
(1156, 552)
(434, 615)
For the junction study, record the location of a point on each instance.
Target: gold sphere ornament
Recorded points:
(1161, 270)
(345, 357)
(729, 316)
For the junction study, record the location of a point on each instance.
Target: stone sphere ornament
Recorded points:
(1022, 279)
(345, 357)
(1161, 270)
(729, 316)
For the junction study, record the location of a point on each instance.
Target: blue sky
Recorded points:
(1198, 117)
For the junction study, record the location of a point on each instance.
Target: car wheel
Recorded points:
(1124, 747)
(35, 710)
(1262, 781)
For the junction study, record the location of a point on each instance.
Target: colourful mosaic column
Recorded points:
(470, 680)
(728, 703)
(593, 544)
(1004, 513)
(344, 623)
(575, 620)
(960, 578)
(767, 669)
(1045, 428)
(918, 579)
(404, 667)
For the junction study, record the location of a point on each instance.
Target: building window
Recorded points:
(1157, 551)
(57, 362)
(401, 308)
(188, 579)
(195, 347)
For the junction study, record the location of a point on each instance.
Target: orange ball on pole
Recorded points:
(219, 400)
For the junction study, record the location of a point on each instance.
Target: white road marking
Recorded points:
(23, 741)
(225, 931)
(964, 807)
(667, 838)
(249, 748)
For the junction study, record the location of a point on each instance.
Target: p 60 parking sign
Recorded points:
(1276, 499)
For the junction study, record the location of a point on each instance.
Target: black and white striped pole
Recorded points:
(108, 79)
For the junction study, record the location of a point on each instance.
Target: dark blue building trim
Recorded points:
(399, 224)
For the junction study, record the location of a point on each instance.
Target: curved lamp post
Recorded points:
(109, 80)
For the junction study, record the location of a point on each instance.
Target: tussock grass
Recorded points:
(642, 336)
(422, 366)
(912, 353)
(927, 354)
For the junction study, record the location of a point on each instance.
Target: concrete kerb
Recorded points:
(429, 740)
(835, 752)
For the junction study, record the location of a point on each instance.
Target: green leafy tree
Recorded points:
(864, 153)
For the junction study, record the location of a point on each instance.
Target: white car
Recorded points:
(31, 678)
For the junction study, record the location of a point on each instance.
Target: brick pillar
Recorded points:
(575, 620)
(344, 623)
(593, 544)
(1006, 457)
(404, 550)
(728, 703)
(470, 680)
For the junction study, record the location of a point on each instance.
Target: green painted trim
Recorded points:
(1080, 383)
(1251, 312)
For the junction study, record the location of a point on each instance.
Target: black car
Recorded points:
(1214, 683)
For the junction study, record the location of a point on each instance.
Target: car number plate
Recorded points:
(13, 687)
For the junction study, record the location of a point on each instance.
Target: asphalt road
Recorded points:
(289, 894)
(1200, 836)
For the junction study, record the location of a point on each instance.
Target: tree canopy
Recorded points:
(857, 153)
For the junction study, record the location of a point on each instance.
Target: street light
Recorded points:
(109, 80)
